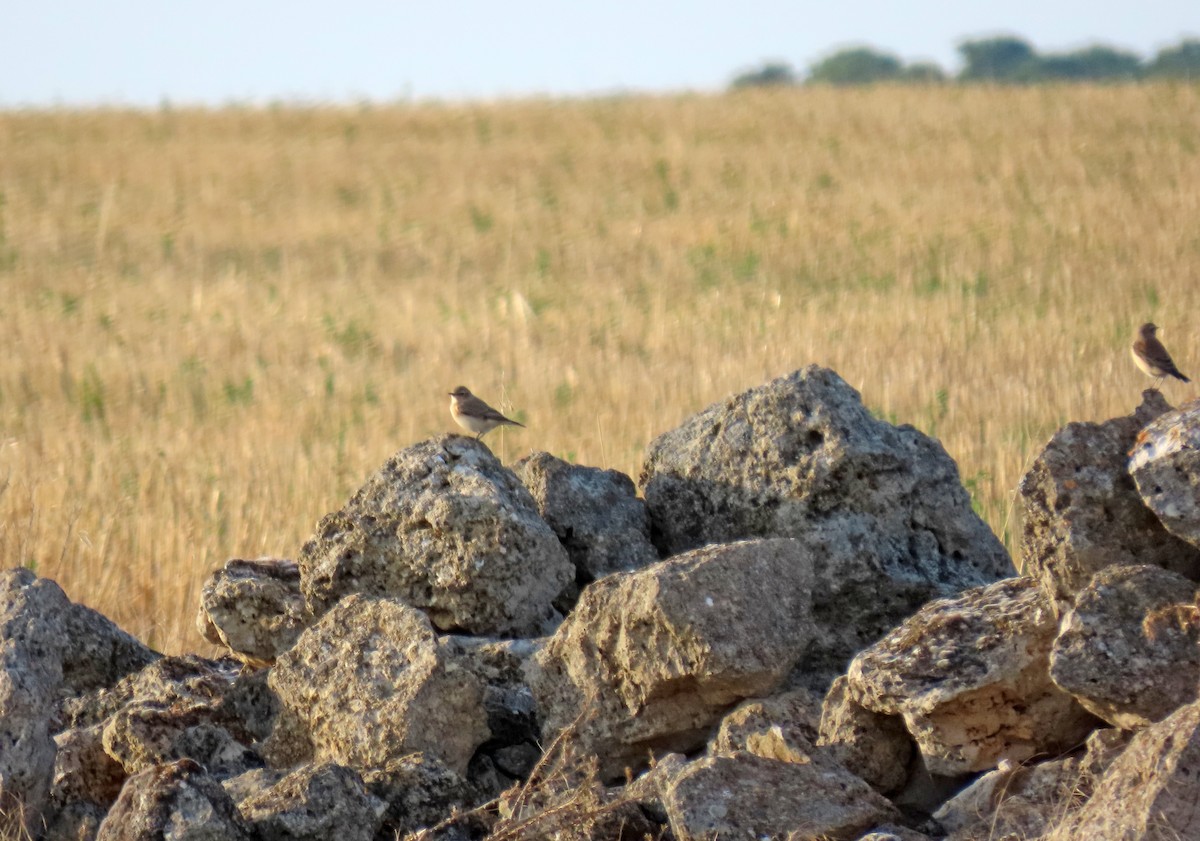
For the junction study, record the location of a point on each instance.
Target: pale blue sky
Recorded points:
(142, 52)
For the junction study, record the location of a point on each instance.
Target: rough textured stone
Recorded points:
(789, 718)
(178, 802)
(507, 699)
(1129, 651)
(892, 832)
(1083, 512)
(447, 528)
(368, 684)
(419, 791)
(889, 523)
(1150, 792)
(745, 796)
(253, 608)
(146, 733)
(595, 513)
(314, 803)
(83, 770)
(1165, 465)
(660, 654)
(874, 746)
(1015, 801)
(970, 677)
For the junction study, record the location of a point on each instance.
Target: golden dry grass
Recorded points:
(218, 323)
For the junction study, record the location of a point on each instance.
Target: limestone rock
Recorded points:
(1129, 651)
(745, 796)
(254, 608)
(177, 802)
(368, 684)
(874, 746)
(83, 770)
(146, 733)
(787, 722)
(1083, 512)
(595, 513)
(889, 523)
(1150, 791)
(658, 655)
(448, 529)
(1014, 801)
(419, 791)
(314, 803)
(1165, 464)
(893, 832)
(507, 699)
(971, 678)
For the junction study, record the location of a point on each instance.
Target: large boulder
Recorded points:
(448, 529)
(1083, 512)
(178, 801)
(882, 507)
(1129, 651)
(1165, 464)
(595, 513)
(874, 746)
(314, 803)
(368, 684)
(650, 660)
(970, 677)
(253, 608)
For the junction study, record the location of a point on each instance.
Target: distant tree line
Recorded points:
(1005, 60)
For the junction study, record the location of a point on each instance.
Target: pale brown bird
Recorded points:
(474, 415)
(1150, 355)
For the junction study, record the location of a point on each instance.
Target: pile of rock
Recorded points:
(800, 630)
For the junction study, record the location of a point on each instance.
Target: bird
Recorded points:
(473, 415)
(1150, 355)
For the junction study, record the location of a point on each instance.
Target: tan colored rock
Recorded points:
(418, 791)
(658, 655)
(1128, 650)
(1083, 512)
(368, 684)
(874, 746)
(1150, 792)
(177, 801)
(772, 727)
(143, 734)
(83, 770)
(1015, 801)
(1165, 464)
(744, 796)
(253, 608)
(314, 803)
(446, 528)
(970, 676)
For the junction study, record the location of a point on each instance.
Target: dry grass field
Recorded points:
(216, 324)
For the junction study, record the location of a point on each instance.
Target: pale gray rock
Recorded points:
(745, 796)
(253, 608)
(143, 734)
(1150, 792)
(83, 770)
(1083, 512)
(314, 803)
(657, 656)
(772, 727)
(368, 684)
(1165, 464)
(499, 665)
(174, 802)
(448, 529)
(874, 746)
(892, 832)
(882, 507)
(1129, 651)
(970, 677)
(595, 513)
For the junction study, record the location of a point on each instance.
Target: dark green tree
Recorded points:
(1004, 59)
(857, 66)
(1102, 64)
(771, 73)
(923, 72)
(1181, 62)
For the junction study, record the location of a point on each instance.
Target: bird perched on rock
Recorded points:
(1150, 355)
(474, 415)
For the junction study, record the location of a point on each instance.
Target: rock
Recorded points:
(658, 655)
(77, 820)
(448, 529)
(1128, 651)
(892, 832)
(888, 521)
(147, 733)
(368, 684)
(595, 513)
(419, 792)
(1083, 512)
(83, 770)
(1150, 791)
(1014, 801)
(787, 722)
(1165, 465)
(253, 608)
(314, 803)
(177, 802)
(970, 677)
(507, 699)
(744, 796)
(873, 746)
